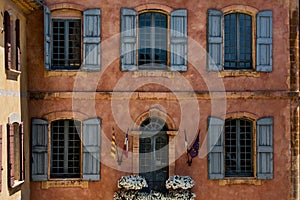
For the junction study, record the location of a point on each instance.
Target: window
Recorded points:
(148, 31)
(152, 40)
(231, 148)
(237, 40)
(238, 147)
(63, 41)
(65, 149)
(74, 149)
(153, 157)
(66, 44)
(16, 168)
(12, 42)
(230, 41)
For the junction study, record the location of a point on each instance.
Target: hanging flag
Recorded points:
(125, 147)
(113, 147)
(194, 150)
(185, 141)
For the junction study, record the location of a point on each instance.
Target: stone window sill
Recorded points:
(64, 184)
(12, 74)
(239, 181)
(16, 187)
(154, 73)
(57, 73)
(237, 73)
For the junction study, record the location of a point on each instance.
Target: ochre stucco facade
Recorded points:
(186, 100)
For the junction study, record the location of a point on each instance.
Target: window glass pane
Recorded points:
(66, 43)
(238, 148)
(152, 41)
(237, 41)
(65, 149)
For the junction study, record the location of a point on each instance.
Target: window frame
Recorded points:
(65, 20)
(50, 153)
(12, 36)
(237, 39)
(15, 137)
(168, 43)
(253, 149)
(253, 40)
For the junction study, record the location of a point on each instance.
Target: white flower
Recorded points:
(180, 182)
(132, 182)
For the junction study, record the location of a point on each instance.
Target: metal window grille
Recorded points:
(238, 147)
(66, 43)
(152, 41)
(238, 41)
(65, 149)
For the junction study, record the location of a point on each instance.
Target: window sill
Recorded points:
(56, 73)
(65, 184)
(237, 73)
(12, 74)
(16, 187)
(246, 181)
(153, 73)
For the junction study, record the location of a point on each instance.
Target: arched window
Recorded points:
(152, 40)
(153, 153)
(238, 147)
(238, 41)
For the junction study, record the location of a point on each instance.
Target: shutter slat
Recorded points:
(265, 148)
(92, 39)
(47, 39)
(91, 149)
(179, 40)
(264, 41)
(7, 29)
(18, 46)
(215, 148)
(22, 156)
(39, 150)
(10, 154)
(128, 39)
(215, 38)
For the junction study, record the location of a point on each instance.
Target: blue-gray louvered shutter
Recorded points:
(264, 149)
(91, 149)
(128, 39)
(215, 148)
(214, 39)
(91, 39)
(47, 39)
(39, 150)
(179, 40)
(264, 41)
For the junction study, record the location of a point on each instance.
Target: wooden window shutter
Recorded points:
(264, 148)
(91, 149)
(264, 41)
(215, 39)
(47, 39)
(1, 158)
(128, 39)
(22, 156)
(91, 39)
(215, 148)
(11, 154)
(39, 150)
(18, 46)
(7, 38)
(179, 40)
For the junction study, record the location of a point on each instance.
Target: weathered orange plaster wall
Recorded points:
(278, 80)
